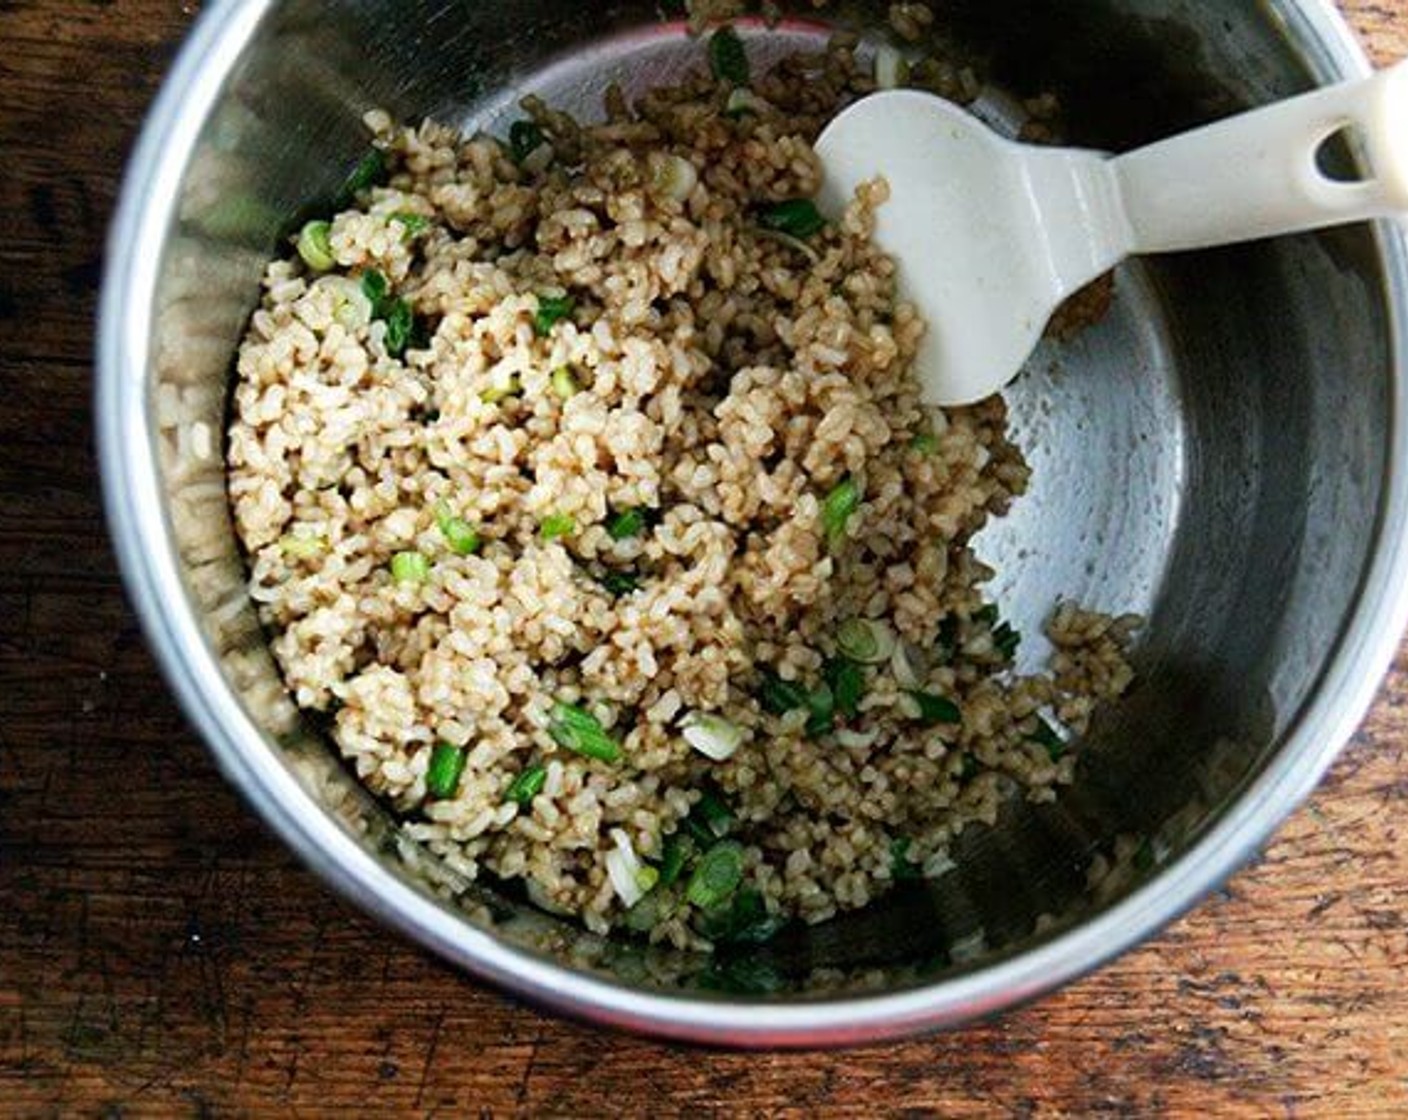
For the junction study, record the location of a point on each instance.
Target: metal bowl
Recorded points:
(1219, 454)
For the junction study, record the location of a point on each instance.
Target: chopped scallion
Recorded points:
(797, 217)
(715, 813)
(374, 288)
(712, 736)
(901, 866)
(821, 704)
(551, 309)
(564, 384)
(673, 857)
(527, 785)
(779, 696)
(626, 524)
(727, 57)
(936, 709)
(301, 547)
(370, 170)
(400, 322)
(557, 525)
(847, 681)
(837, 509)
(581, 732)
(1006, 640)
(865, 641)
(717, 875)
(1047, 736)
(442, 778)
(925, 443)
(315, 246)
(511, 388)
(458, 532)
(414, 224)
(620, 583)
(410, 567)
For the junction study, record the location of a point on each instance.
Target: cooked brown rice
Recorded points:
(724, 380)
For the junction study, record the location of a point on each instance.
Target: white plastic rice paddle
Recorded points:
(992, 235)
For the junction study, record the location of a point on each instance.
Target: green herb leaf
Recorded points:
(524, 138)
(442, 779)
(557, 525)
(924, 444)
(527, 785)
(716, 876)
(727, 58)
(551, 309)
(742, 976)
(936, 709)
(836, 511)
(315, 246)
(988, 615)
(969, 766)
(410, 567)
(579, 731)
(626, 524)
(797, 217)
(779, 696)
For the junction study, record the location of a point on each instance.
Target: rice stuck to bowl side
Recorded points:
(589, 495)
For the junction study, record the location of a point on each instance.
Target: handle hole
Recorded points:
(1343, 156)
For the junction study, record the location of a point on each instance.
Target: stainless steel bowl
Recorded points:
(1222, 455)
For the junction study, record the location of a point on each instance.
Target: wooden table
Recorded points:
(161, 954)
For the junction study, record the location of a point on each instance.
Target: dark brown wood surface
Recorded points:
(161, 954)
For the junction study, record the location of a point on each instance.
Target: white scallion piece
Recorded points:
(712, 736)
(866, 641)
(627, 873)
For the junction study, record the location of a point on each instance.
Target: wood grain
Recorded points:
(160, 954)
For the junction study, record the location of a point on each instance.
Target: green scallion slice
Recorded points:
(527, 785)
(551, 309)
(400, 323)
(796, 217)
(936, 709)
(821, 704)
(442, 779)
(924, 444)
(579, 731)
(458, 532)
(628, 523)
(315, 246)
(847, 681)
(779, 696)
(865, 641)
(673, 857)
(564, 385)
(620, 583)
(410, 567)
(728, 60)
(374, 287)
(414, 224)
(557, 525)
(370, 170)
(837, 509)
(512, 388)
(717, 875)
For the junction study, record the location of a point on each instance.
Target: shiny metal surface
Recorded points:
(1219, 454)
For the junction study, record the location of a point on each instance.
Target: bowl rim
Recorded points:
(146, 552)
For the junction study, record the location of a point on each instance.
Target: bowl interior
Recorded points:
(1211, 455)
